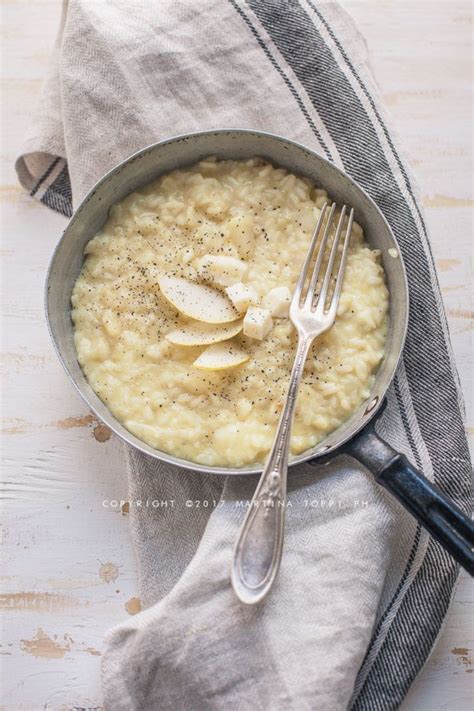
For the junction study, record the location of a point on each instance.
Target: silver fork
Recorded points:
(258, 550)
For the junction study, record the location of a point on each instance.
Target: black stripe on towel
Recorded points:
(59, 195)
(293, 32)
(45, 176)
(287, 81)
(374, 107)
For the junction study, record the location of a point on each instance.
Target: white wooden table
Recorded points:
(68, 563)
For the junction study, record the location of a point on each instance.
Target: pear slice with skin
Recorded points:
(203, 334)
(199, 302)
(221, 356)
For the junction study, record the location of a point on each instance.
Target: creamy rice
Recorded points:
(264, 216)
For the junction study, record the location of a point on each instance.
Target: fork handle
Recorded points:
(258, 550)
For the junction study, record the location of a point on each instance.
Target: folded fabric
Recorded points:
(362, 591)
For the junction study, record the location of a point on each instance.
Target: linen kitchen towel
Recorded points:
(362, 591)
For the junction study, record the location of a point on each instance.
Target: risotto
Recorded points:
(181, 314)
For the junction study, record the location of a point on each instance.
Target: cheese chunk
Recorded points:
(257, 323)
(223, 270)
(277, 301)
(241, 296)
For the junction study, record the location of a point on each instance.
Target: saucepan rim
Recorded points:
(119, 429)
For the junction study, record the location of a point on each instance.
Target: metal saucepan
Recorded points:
(356, 436)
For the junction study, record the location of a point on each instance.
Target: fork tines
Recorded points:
(326, 238)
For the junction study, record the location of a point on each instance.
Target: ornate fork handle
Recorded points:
(259, 546)
(257, 554)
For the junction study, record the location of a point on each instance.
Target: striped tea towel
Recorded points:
(362, 592)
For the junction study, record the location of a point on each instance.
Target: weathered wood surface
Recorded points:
(68, 563)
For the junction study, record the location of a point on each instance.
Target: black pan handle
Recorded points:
(424, 500)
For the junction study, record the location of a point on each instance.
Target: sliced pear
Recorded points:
(221, 356)
(203, 334)
(197, 301)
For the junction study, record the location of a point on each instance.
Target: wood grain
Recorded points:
(69, 568)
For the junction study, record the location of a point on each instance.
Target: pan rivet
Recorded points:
(371, 405)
